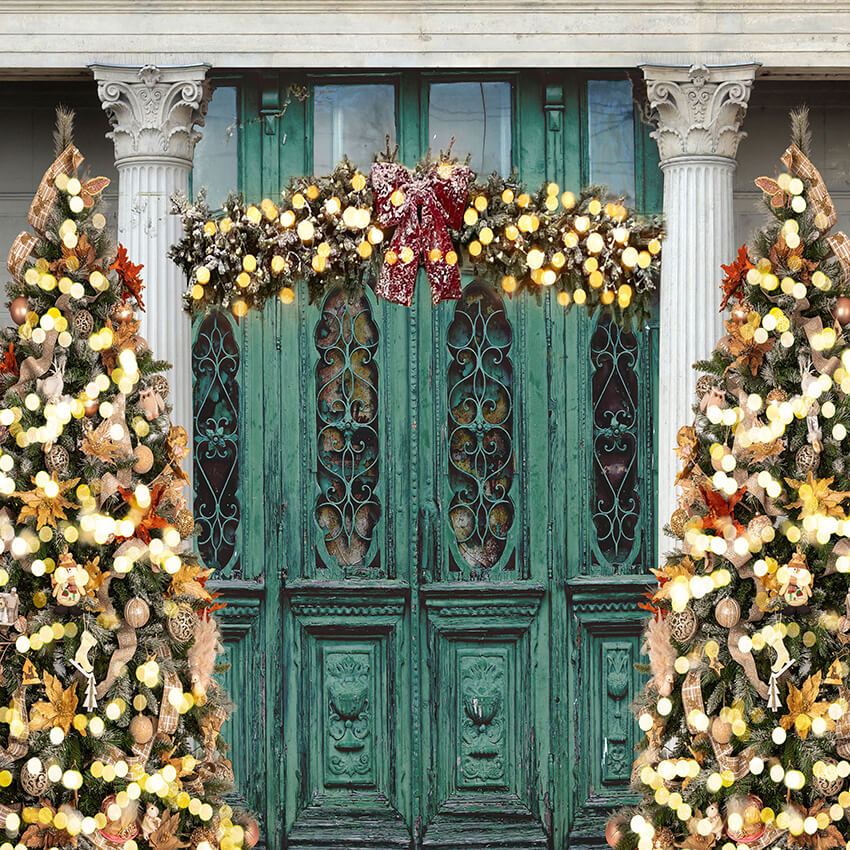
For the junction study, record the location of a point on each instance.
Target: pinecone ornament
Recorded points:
(705, 383)
(160, 385)
(82, 323)
(57, 460)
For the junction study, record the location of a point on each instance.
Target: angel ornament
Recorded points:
(795, 580)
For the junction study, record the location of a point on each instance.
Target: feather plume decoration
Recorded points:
(202, 653)
(662, 655)
(63, 135)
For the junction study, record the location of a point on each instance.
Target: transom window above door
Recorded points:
(352, 120)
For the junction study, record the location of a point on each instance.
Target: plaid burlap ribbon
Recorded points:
(813, 327)
(125, 651)
(66, 163)
(5, 811)
(801, 166)
(19, 253)
(692, 699)
(19, 744)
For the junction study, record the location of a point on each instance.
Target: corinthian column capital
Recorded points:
(698, 109)
(153, 111)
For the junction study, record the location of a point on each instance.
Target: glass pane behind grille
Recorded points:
(611, 136)
(217, 153)
(351, 120)
(478, 117)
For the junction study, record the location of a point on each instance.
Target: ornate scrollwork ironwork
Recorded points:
(616, 503)
(215, 367)
(480, 426)
(347, 427)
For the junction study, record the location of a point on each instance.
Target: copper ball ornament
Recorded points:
(144, 459)
(842, 310)
(613, 833)
(90, 407)
(122, 312)
(141, 728)
(18, 309)
(683, 625)
(137, 612)
(727, 612)
(252, 833)
(740, 312)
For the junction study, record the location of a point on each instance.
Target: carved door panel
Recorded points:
(411, 609)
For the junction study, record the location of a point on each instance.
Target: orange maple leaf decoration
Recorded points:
(736, 273)
(128, 273)
(9, 365)
(146, 519)
(720, 510)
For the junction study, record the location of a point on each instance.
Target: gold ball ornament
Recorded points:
(184, 522)
(807, 459)
(35, 784)
(18, 310)
(201, 834)
(727, 612)
(144, 459)
(663, 839)
(181, 626)
(721, 730)
(141, 728)
(136, 612)
(776, 396)
(683, 625)
(83, 323)
(678, 522)
(842, 310)
(828, 783)
(758, 526)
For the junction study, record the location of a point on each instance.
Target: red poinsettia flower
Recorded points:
(736, 273)
(128, 273)
(720, 511)
(9, 365)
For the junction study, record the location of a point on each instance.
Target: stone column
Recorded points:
(699, 111)
(153, 112)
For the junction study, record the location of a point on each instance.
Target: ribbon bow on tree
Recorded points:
(422, 206)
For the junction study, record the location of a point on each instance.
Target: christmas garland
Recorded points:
(355, 229)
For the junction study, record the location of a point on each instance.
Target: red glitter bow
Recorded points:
(421, 207)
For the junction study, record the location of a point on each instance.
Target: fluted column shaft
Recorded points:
(154, 112)
(698, 113)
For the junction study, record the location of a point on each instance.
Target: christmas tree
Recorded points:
(110, 717)
(747, 709)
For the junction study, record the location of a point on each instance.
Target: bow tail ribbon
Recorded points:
(801, 166)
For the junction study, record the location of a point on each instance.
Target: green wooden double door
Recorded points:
(433, 524)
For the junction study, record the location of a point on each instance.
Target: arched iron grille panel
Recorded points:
(617, 504)
(347, 427)
(480, 426)
(215, 368)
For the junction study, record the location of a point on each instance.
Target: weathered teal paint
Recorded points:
(415, 698)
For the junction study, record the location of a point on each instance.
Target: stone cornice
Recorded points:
(786, 38)
(153, 111)
(699, 109)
